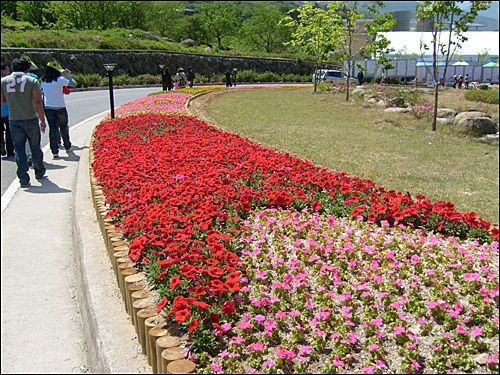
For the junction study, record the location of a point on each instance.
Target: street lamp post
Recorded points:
(234, 76)
(109, 68)
(163, 78)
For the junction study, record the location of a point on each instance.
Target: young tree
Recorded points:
(263, 31)
(359, 32)
(446, 16)
(315, 31)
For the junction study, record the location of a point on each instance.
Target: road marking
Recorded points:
(14, 186)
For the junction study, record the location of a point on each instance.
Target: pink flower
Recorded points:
(260, 318)
(287, 354)
(368, 370)
(377, 322)
(257, 347)
(280, 314)
(415, 364)
(421, 320)
(294, 313)
(237, 340)
(432, 305)
(476, 331)
(399, 330)
(305, 350)
(380, 364)
(461, 330)
(337, 362)
(373, 347)
(269, 364)
(270, 325)
(216, 367)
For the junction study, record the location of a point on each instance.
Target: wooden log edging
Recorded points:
(165, 357)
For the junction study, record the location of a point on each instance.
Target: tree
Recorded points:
(359, 34)
(220, 20)
(38, 13)
(263, 31)
(449, 16)
(315, 32)
(166, 18)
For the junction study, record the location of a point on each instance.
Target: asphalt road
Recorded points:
(80, 105)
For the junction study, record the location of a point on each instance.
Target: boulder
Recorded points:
(444, 120)
(151, 37)
(372, 101)
(358, 91)
(470, 114)
(396, 110)
(166, 39)
(381, 104)
(208, 49)
(446, 113)
(188, 43)
(475, 126)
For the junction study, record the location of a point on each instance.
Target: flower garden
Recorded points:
(270, 264)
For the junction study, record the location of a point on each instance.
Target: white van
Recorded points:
(332, 75)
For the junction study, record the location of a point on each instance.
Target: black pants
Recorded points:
(6, 142)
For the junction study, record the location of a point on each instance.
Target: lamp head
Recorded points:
(161, 66)
(109, 67)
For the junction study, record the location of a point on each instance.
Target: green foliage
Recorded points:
(88, 80)
(486, 96)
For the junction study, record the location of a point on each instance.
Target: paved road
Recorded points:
(81, 105)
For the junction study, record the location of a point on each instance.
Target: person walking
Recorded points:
(361, 76)
(53, 81)
(190, 77)
(460, 81)
(443, 81)
(181, 78)
(6, 146)
(228, 77)
(466, 81)
(31, 73)
(22, 94)
(166, 77)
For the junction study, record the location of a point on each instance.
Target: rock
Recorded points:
(358, 91)
(396, 110)
(208, 49)
(444, 120)
(446, 113)
(188, 43)
(372, 101)
(397, 101)
(381, 104)
(223, 48)
(475, 126)
(168, 39)
(481, 358)
(151, 37)
(470, 114)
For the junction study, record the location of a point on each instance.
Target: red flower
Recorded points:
(233, 286)
(182, 315)
(175, 282)
(214, 317)
(161, 305)
(228, 308)
(316, 205)
(193, 325)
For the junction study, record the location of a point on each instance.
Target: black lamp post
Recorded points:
(234, 76)
(109, 68)
(163, 78)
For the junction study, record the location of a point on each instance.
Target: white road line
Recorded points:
(11, 190)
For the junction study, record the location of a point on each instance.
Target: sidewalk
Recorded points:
(61, 307)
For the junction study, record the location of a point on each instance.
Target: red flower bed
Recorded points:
(180, 189)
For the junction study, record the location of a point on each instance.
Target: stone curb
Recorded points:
(112, 344)
(110, 339)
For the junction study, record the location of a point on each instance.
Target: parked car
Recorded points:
(332, 75)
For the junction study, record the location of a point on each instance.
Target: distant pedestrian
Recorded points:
(443, 81)
(181, 78)
(53, 81)
(361, 76)
(166, 79)
(190, 77)
(455, 81)
(228, 77)
(460, 81)
(466, 81)
(6, 146)
(22, 94)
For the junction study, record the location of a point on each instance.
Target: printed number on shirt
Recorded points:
(11, 84)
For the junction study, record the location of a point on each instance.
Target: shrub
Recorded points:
(88, 80)
(486, 96)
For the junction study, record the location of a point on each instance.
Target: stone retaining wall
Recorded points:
(136, 62)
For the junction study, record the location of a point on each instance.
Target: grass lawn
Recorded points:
(396, 151)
